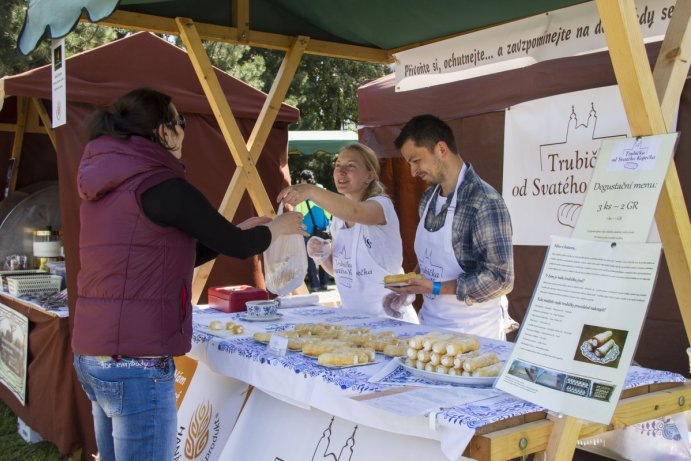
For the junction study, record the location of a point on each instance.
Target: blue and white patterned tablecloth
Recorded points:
(299, 379)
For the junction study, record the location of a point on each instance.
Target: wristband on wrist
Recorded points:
(436, 288)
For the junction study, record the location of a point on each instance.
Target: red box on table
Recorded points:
(233, 298)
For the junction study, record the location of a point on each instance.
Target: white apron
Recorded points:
(359, 278)
(435, 255)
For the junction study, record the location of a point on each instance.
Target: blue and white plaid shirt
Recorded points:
(481, 239)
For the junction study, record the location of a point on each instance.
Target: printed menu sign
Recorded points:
(582, 326)
(623, 192)
(57, 48)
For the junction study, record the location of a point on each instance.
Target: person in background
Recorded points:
(143, 228)
(463, 240)
(366, 238)
(315, 219)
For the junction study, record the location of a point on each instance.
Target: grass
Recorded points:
(14, 448)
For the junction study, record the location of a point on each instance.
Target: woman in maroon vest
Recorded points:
(143, 230)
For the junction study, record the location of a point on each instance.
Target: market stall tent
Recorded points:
(359, 30)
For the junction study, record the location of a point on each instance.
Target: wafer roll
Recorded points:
(462, 345)
(482, 360)
(600, 339)
(490, 370)
(604, 349)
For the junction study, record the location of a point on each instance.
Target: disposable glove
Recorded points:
(394, 304)
(318, 249)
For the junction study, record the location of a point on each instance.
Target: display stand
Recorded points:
(649, 112)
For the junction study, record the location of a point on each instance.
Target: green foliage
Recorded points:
(12, 62)
(14, 448)
(321, 164)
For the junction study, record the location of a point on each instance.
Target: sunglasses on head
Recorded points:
(178, 121)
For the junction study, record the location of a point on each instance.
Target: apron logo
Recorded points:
(368, 242)
(430, 270)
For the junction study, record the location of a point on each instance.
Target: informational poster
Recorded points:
(551, 148)
(58, 62)
(625, 187)
(581, 329)
(208, 406)
(14, 346)
(569, 31)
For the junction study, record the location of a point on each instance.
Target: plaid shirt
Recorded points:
(481, 240)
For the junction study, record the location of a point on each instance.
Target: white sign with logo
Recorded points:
(551, 147)
(14, 347)
(270, 429)
(207, 414)
(565, 32)
(57, 48)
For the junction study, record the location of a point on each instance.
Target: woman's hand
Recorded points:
(254, 222)
(289, 222)
(293, 195)
(318, 249)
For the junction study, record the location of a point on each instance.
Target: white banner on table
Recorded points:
(623, 192)
(208, 407)
(14, 348)
(581, 329)
(57, 48)
(565, 32)
(269, 429)
(551, 147)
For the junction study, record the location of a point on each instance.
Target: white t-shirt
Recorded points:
(386, 244)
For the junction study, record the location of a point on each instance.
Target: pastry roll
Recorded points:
(604, 349)
(600, 339)
(420, 365)
(430, 367)
(344, 357)
(412, 353)
(490, 370)
(416, 342)
(262, 336)
(216, 325)
(320, 347)
(395, 350)
(482, 360)
(462, 345)
(237, 329)
(447, 360)
(412, 363)
(429, 342)
(423, 356)
(455, 372)
(434, 358)
(399, 278)
(442, 369)
(460, 359)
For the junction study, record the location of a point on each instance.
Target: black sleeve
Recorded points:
(177, 203)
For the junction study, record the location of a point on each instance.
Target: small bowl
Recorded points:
(261, 308)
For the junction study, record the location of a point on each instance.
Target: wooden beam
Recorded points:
(224, 115)
(644, 112)
(45, 119)
(272, 104)
(137, 21)
(533, 437)
(241, 19)
(18, 142)
(563, 438)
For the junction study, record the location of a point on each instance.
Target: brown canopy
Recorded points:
(474, 109)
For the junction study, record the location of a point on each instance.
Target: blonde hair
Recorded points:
(369, 158)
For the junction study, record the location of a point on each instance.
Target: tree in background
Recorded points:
(12, 62)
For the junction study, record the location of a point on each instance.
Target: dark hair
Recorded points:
(308, 176)
(426, 131)
(137, 113)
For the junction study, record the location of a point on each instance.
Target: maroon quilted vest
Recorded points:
(135, 278)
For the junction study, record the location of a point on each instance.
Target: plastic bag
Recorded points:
(285, 263)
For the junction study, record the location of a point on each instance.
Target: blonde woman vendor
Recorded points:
(367, 242)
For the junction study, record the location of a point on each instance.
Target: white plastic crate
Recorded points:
(33, 284)
(29, 435)
(18, 273)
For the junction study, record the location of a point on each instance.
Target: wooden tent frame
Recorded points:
(651, 100)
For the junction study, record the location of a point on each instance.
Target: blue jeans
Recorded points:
(133, 404)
